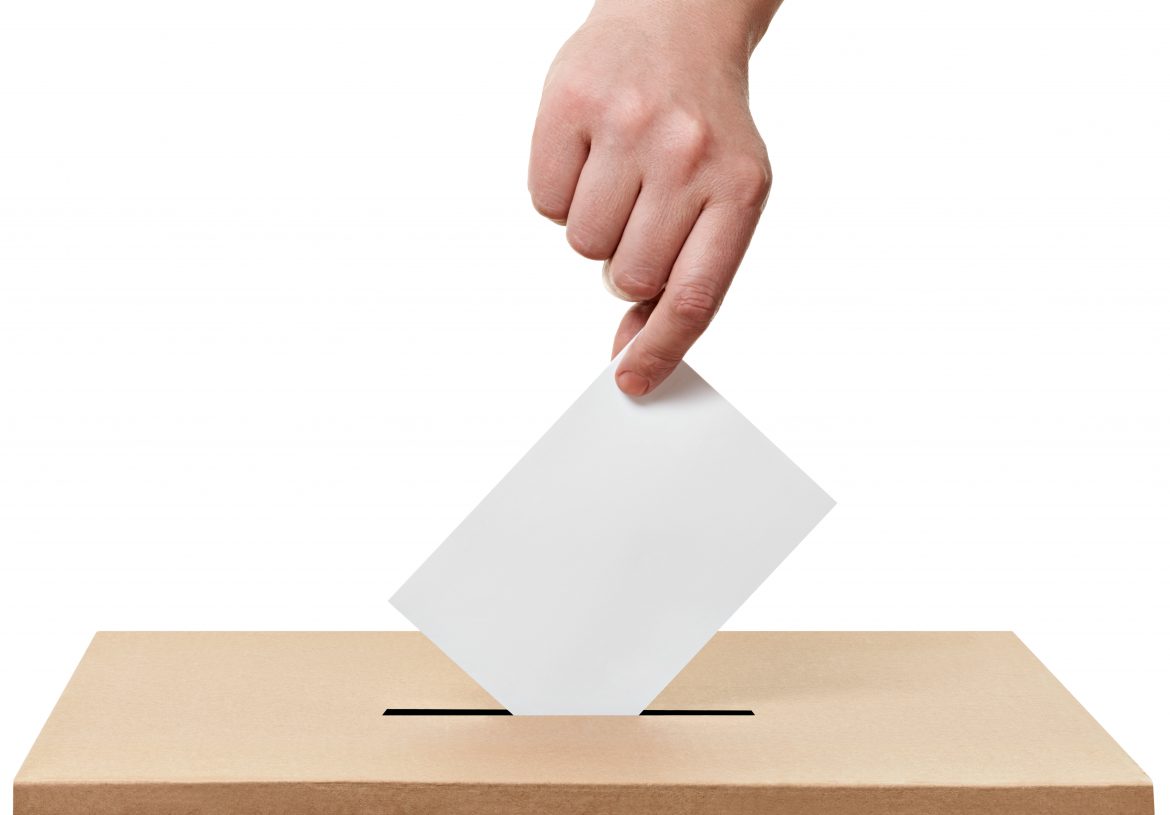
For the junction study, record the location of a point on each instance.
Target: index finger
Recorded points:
(696, 287)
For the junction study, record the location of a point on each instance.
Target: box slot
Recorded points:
(499, 711)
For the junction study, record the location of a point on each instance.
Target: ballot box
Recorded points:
(759, 722)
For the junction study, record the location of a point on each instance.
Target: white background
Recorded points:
(275, 314)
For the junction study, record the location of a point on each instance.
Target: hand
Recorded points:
(644, 148)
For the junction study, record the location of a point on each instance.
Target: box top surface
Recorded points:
(863, 709)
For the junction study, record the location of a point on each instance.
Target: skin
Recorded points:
(645, 151)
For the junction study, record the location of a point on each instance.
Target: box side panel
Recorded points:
(333, 798)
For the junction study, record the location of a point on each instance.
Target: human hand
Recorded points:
(645, 149)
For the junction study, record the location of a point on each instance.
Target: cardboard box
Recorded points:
(841, 723)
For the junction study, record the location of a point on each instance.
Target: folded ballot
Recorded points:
(610, 554)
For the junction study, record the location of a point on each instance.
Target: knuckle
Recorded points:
(628, 117)
(550, 205)
(694, 305)
(750, 181)
(687, 140)
(655, 362)
(586, 242)
(571, 97)
(637, 284)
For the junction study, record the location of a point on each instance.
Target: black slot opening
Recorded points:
(499, 711)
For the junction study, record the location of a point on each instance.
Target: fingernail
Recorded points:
(632, 383)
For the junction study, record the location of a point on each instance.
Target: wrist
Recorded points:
(735, 26)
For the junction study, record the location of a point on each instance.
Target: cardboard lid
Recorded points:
(843, 722)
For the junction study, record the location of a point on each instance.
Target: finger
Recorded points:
(693, 294)
(654, 234)
(633, 322)
(559, 150)
(601, 204)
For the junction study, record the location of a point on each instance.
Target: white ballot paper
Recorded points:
(607, 557)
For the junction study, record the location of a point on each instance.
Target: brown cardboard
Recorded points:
(844, 723)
